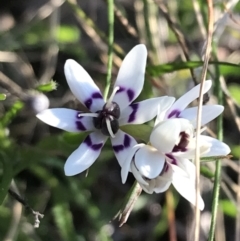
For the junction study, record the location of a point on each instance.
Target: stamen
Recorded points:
(111, 97)
(88, 114)
(109, 128)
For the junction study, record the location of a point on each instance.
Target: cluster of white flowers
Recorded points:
(167, 157)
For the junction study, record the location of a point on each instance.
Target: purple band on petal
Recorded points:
(80, 126)
(126, 143)
(95, 95)
(121, 89)
(179, 149)
(118, 148)
(94, 147)
(166, 168)
(132, 116)
(174, 113)
(130, 93)
(173, 160)
(183, 143)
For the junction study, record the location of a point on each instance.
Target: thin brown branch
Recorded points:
(10, 85)
(128, 204)
(171, 215)
(196, 7)
(36, 214)
(178, 34)
(199, 114)
(96, 35)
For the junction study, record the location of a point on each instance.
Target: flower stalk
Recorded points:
(217, 177)
(207, 54)
(110, 47)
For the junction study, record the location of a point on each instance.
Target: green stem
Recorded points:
(110, 46)
(10, 114)
(6, 177)
(217, 179)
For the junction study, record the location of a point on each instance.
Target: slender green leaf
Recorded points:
(225, 68)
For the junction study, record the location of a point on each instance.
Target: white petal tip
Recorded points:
(208, 82)
(202, 205)
(42, 115)
(141, 46)
(69, 62)
(219, 109)
(124, 173)
(123, 176)
(70, 170)
(124, 179)
(226, 149)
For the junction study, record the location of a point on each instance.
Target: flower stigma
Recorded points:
(106, 119)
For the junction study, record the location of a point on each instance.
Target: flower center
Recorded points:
(107, 119)
(183, 143)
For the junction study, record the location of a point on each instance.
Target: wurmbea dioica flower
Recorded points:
(104, 118)
(172, 143)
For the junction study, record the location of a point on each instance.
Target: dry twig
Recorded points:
(36, 214)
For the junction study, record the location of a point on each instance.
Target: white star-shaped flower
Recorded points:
(166, 159)
(104, 118)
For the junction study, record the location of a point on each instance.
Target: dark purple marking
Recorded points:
(118, 148)
(94, 147)
(126, 143)
(130, 94)
(121, 89)
(174, 162)
(165, 168)
(170, 156)
(88, 141)
(132, 116)
(183, 143)
(97, 147)
(80, 126)
(174, 113)
(88, 103)
(179, 148)
(96, 95)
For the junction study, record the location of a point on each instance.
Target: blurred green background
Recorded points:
(36, 38)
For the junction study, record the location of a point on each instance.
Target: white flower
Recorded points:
(178, 109)
(105, 118)
(166, 159)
